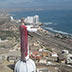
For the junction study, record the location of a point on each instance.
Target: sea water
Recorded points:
(53, 20)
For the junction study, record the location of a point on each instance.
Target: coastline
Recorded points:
(62, 38)
(57, 36)
(58, 41)
(42, 39)
(56, 21)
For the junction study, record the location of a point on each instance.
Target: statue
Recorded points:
(25, 64)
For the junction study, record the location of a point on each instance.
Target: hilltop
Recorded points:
(8, 28)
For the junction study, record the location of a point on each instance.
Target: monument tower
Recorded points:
(25, 64)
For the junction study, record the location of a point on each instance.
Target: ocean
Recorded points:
(53, 20)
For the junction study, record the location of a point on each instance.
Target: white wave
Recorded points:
(51, 29)
(49, 23)
(55, 23)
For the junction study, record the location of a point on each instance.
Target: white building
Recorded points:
(30, 28)
(69, 58)
(65, 52)
(11, 17)
(29, 20)
(32, 19)
(36, 19)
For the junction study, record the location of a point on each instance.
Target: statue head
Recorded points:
(22, 21)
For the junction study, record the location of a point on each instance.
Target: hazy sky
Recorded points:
(37, 3)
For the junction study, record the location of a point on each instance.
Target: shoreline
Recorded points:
(66, 31)
(56, 35)
(57, 31)
(42, 39)
(59, 42)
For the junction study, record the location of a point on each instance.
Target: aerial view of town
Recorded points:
(27, 44)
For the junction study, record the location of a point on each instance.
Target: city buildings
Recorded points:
(32, 19)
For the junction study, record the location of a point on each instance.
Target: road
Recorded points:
(52, 41)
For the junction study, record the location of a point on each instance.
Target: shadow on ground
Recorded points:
(11, 66)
